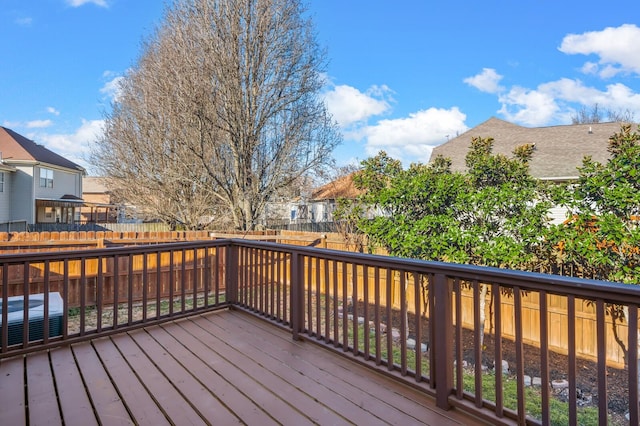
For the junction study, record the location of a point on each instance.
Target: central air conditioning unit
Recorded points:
(35, 316)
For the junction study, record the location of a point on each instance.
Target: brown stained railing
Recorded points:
(370, 308)
(419, 321)
(110, 299)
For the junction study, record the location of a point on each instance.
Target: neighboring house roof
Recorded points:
(15, 147)
(559, 150)
(94, 185)
(342, 187)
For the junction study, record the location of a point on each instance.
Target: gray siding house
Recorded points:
(40, 186)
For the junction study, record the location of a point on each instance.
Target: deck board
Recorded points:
(225, 367)
(12, 408)
(72, 396)
(139, 401)
(351, 383)
(42, 399)
(108, 405)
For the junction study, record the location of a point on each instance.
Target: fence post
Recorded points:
(231, 275)
(297, 295)
(443, 340)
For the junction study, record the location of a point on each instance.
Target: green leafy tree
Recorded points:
(601, 238)
(493, 215)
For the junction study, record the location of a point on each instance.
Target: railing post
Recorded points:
(443, 340)
(231, 274)
(297, 295)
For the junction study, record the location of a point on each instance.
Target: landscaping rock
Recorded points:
(559, 384)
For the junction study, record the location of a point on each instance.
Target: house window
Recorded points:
(46, 178)
(1, 181)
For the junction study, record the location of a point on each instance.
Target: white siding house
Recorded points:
(43, 186)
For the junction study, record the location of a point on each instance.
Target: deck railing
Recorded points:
(411, 319)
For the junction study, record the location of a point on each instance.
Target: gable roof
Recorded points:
(15, 147)
(342, 187)
(559, 150)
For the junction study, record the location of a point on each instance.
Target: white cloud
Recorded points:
(349, 106)
(111, 89)
(38, 124)
(528, 107)
(75, 146)
(553, 102)
(412, 139)
(52, 110)
(617, 47)
(78, 3)
(486, 81)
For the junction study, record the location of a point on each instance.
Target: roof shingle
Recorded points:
(559, 150)
(16, 147)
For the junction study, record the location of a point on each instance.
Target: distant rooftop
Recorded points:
(15, 147)
(559, 150)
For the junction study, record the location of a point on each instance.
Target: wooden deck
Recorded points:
(221, 368)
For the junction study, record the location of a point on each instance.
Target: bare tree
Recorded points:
(224, 106)
(597, 115)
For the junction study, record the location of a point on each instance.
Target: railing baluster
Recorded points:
(297, 294)
(116, 290)
(544, 355)
(65, 299)
(171, 282)
(5, 307)
(318, 296)
(83, 295)
(377, 321)
(195, 279)
(336, 303)
(602, 361)
(345, 309)
(517, 296)
(328, 302)
(183, 280)
(25, 305)
(497, 344)
(207, 276)
(389, 303)
(99, 295)
(443, 340)
(145, 285)
(308, 266)
(417, 318)
(272, 283)
(404, 318)
(354, 305)
(365, 312)
(571, 343)
(478, 331)
(279, 284)
(158, 284)
(633, 365)
(130, 291)
(458, 337)
(46, 289)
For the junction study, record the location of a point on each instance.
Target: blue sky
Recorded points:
(403, 75)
